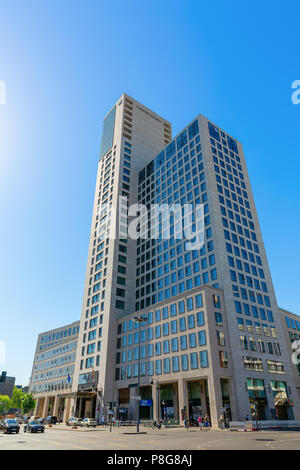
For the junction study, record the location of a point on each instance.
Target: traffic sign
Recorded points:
(136, 398)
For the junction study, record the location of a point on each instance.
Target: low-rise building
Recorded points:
(7, 385)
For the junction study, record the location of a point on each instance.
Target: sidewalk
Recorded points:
(132, 429)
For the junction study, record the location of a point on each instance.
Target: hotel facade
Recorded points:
(207, 338)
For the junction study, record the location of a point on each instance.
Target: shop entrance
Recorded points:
(257, 397)
(124, 399)
(86, 407)
(195, 404)
(282, 402)
(146, 404)
(226, 401)
(198, 402)
(122, 414)
(168, 402)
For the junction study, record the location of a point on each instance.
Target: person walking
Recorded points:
(221, 422)
(186, 424)
(200, 422)
(206, 422)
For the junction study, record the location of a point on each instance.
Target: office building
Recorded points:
(53, 371)
(7, 384)
(212, 340)
(291, 327)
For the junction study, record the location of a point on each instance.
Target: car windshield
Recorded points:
(33, 422)
(11, 421)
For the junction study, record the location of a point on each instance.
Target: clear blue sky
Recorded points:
(65, 63)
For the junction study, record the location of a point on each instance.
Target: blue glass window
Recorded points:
(107, 132)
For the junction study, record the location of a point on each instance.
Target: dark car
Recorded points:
(34, 426)
(51, 420)
(9, 425)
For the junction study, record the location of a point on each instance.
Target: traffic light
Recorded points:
(111, 405)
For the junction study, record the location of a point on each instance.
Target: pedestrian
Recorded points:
(246, 418)
(186, 424)
(200, 423)
(206, 422)
(221, 422)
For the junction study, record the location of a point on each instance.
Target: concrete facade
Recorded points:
(53, 371)
(236, 363)
(291, 328)
(145, 133)
(185, 345)
(7, 387)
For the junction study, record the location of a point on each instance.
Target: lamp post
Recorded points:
(139, 319)
(158, 402)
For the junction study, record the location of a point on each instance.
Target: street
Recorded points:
(60, 437)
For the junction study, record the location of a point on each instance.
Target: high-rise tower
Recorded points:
(131, 135)
(213, 339)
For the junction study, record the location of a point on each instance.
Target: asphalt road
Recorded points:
(62, 438)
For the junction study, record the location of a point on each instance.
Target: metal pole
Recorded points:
(158, 404)
(139, 320)
(138, 387)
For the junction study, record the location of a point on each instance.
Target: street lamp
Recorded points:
(140, 320)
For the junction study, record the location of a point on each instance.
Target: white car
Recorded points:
(88, 422)
(73, 421)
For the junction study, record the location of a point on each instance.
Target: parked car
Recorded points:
(51, 420)
(34, 426)
(88, 422)
(41, 420)
(10, 425)
(73, 421)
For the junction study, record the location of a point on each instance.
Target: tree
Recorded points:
(17, 398)
(28, 403)
(5, 403)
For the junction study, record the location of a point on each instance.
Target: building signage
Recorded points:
(146, 403)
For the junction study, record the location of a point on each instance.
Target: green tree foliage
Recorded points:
(28, 403)
(17, 398)
(5, 403)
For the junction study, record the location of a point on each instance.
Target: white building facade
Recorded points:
(247, 362)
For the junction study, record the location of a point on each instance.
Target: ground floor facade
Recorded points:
(55, 405)
(173, 401)
(177, 399)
